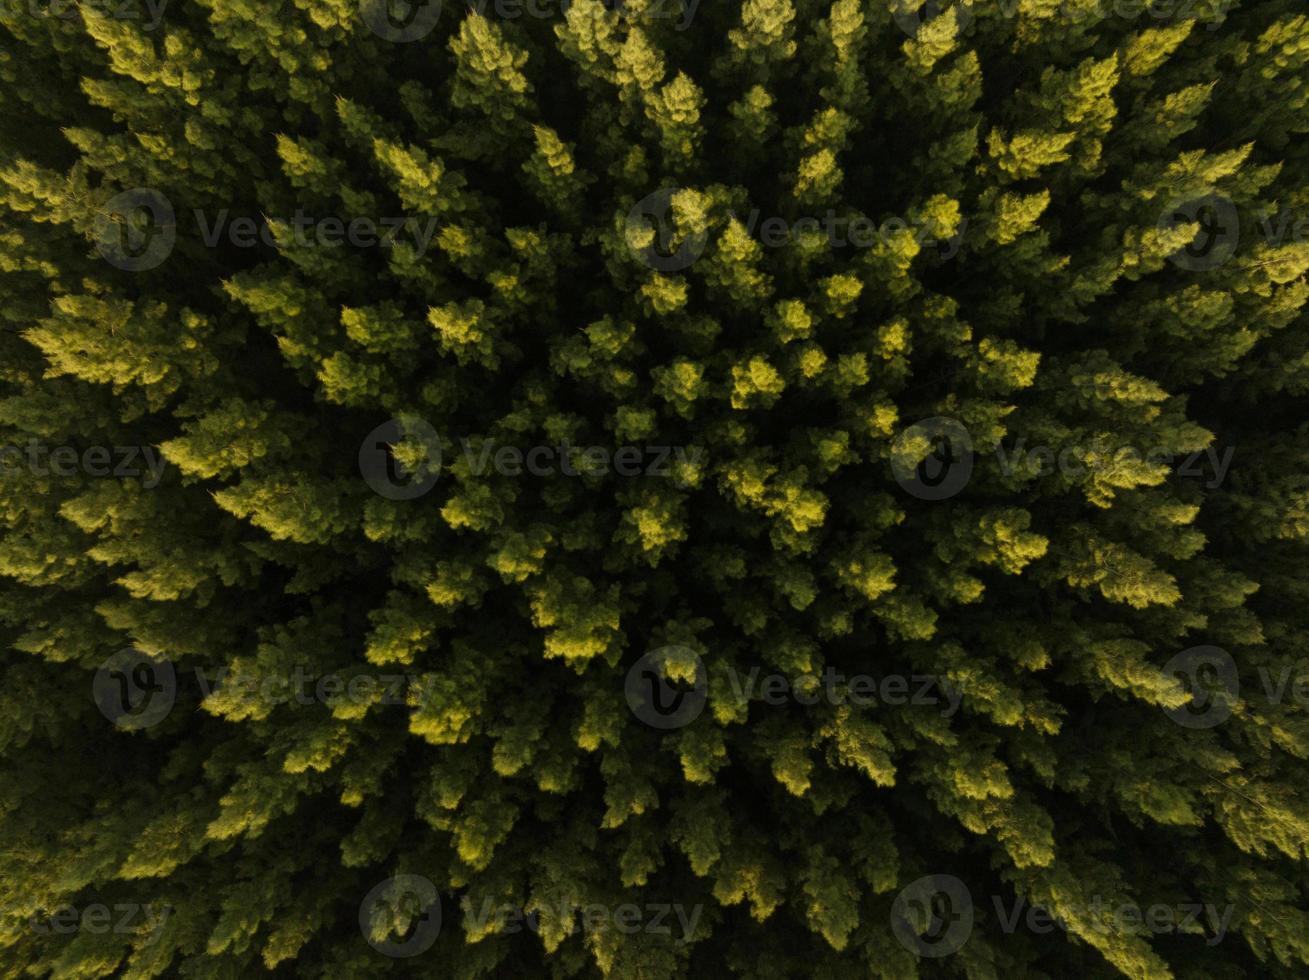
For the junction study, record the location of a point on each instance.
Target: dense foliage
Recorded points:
(487, 378)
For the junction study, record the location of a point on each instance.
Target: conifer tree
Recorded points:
(959, 345)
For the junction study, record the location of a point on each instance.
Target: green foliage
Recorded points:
(634, 225)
